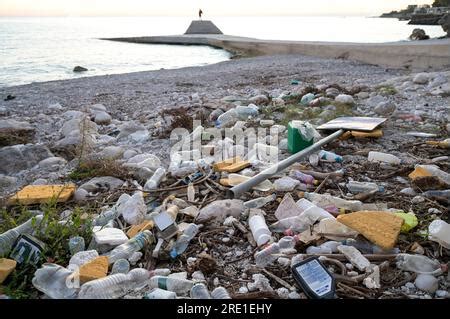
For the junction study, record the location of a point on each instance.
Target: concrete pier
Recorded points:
(202, 27)
(428, 54)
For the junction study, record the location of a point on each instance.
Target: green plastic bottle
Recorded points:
(296, 140)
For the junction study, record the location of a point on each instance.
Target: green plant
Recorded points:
(98, 167)
(387, 90)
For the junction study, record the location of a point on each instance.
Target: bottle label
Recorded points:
(162, 283)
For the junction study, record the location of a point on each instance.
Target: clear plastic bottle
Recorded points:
(159, 293)
(444, 194)
(177, 285)
(127, 249)
(191, 192)
(266, 256)
(383, 157)
(326, 156)
(200, 291)
(363, 187)
(258, 227)
(220, 293)
(332, 229)
(8, 238)
(227, 118)
(121, 266)
(76, 244)
(260, 202)
(436, 171)
(439, 231)
(113, 286)
(323, 200)
(183, 241)
(51, 279)
(304, 178)
(155, 180)
(418, 264)
(244, 112)
(367, 247)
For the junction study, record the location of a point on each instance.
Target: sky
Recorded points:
(210, 8)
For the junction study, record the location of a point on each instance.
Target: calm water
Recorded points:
(44, 49)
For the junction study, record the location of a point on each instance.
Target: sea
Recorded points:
(46, 49)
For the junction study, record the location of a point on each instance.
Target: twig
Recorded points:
(354, 290)
(278, 280)
(321, 184)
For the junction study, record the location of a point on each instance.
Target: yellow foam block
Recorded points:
(135, 229)
(6, 267)
(419, 172)
(381, 228)
(231, 165)
(37, 194)
(95, 269)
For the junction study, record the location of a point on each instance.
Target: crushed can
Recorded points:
(27, 249)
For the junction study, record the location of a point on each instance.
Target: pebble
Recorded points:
(417, 199)
(345, 99)
(421, 78)
(427, 283)
(102, 118)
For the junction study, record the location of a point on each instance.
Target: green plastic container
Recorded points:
(296, 141)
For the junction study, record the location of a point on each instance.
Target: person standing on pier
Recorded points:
(200, 12)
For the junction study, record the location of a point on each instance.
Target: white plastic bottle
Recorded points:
(383, 157)
(159, 293)
(266, 256)
(155, 180)
(113, 286)
(260, 202)
(220, 293)
(418, 264)
(8, 238)
(191, 192)
(177, 285)
(182, 243)
(363, 187)
(439, 231)
(200, 291)
(258, 227)
(127, 249)
(324, 200)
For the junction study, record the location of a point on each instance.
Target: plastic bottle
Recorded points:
(445, 194)
(258, 227)
(260, 202)
(367, 247)
(442, 144)
(8, 238)
(304, 178)
(326, 156)
(244, 112)
(159, 293)
(323, 200)
(363, 187)
(220, 293)
(436, 171)
(227, 118)
(236, 179)
(113, 286)
(76, 244)
(155, 180)
(51, 279)
(191, 192)
(383, 157)
(127, 249)
(315, 213)
(177, 285)
(183, 241)
(418, 264)
(266, 256)
(200, 291)
(121, 266)
(439, 231)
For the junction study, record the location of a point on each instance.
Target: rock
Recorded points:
(102, 118)
(417, 199)
(14, 159)
(345, 99)
(442, 294)
(111, 152)
(7, 266)
(78, 69)
(102, 184)
(40, 181)
(332, 92)
(421, 78)
(132, 208)
(278, 102)
(3, 111)
(97, 108)
(80, 195)
(445, 23)
(7, 182)
(73, 114)
(307, 98)
(362, 95)
(418, 34)
(427, 283)
(219, 210)
(147, 160)
(385, 108)
(52, 163)
(94, 269)
(259, 100)
(110, 236)
(13, 132)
